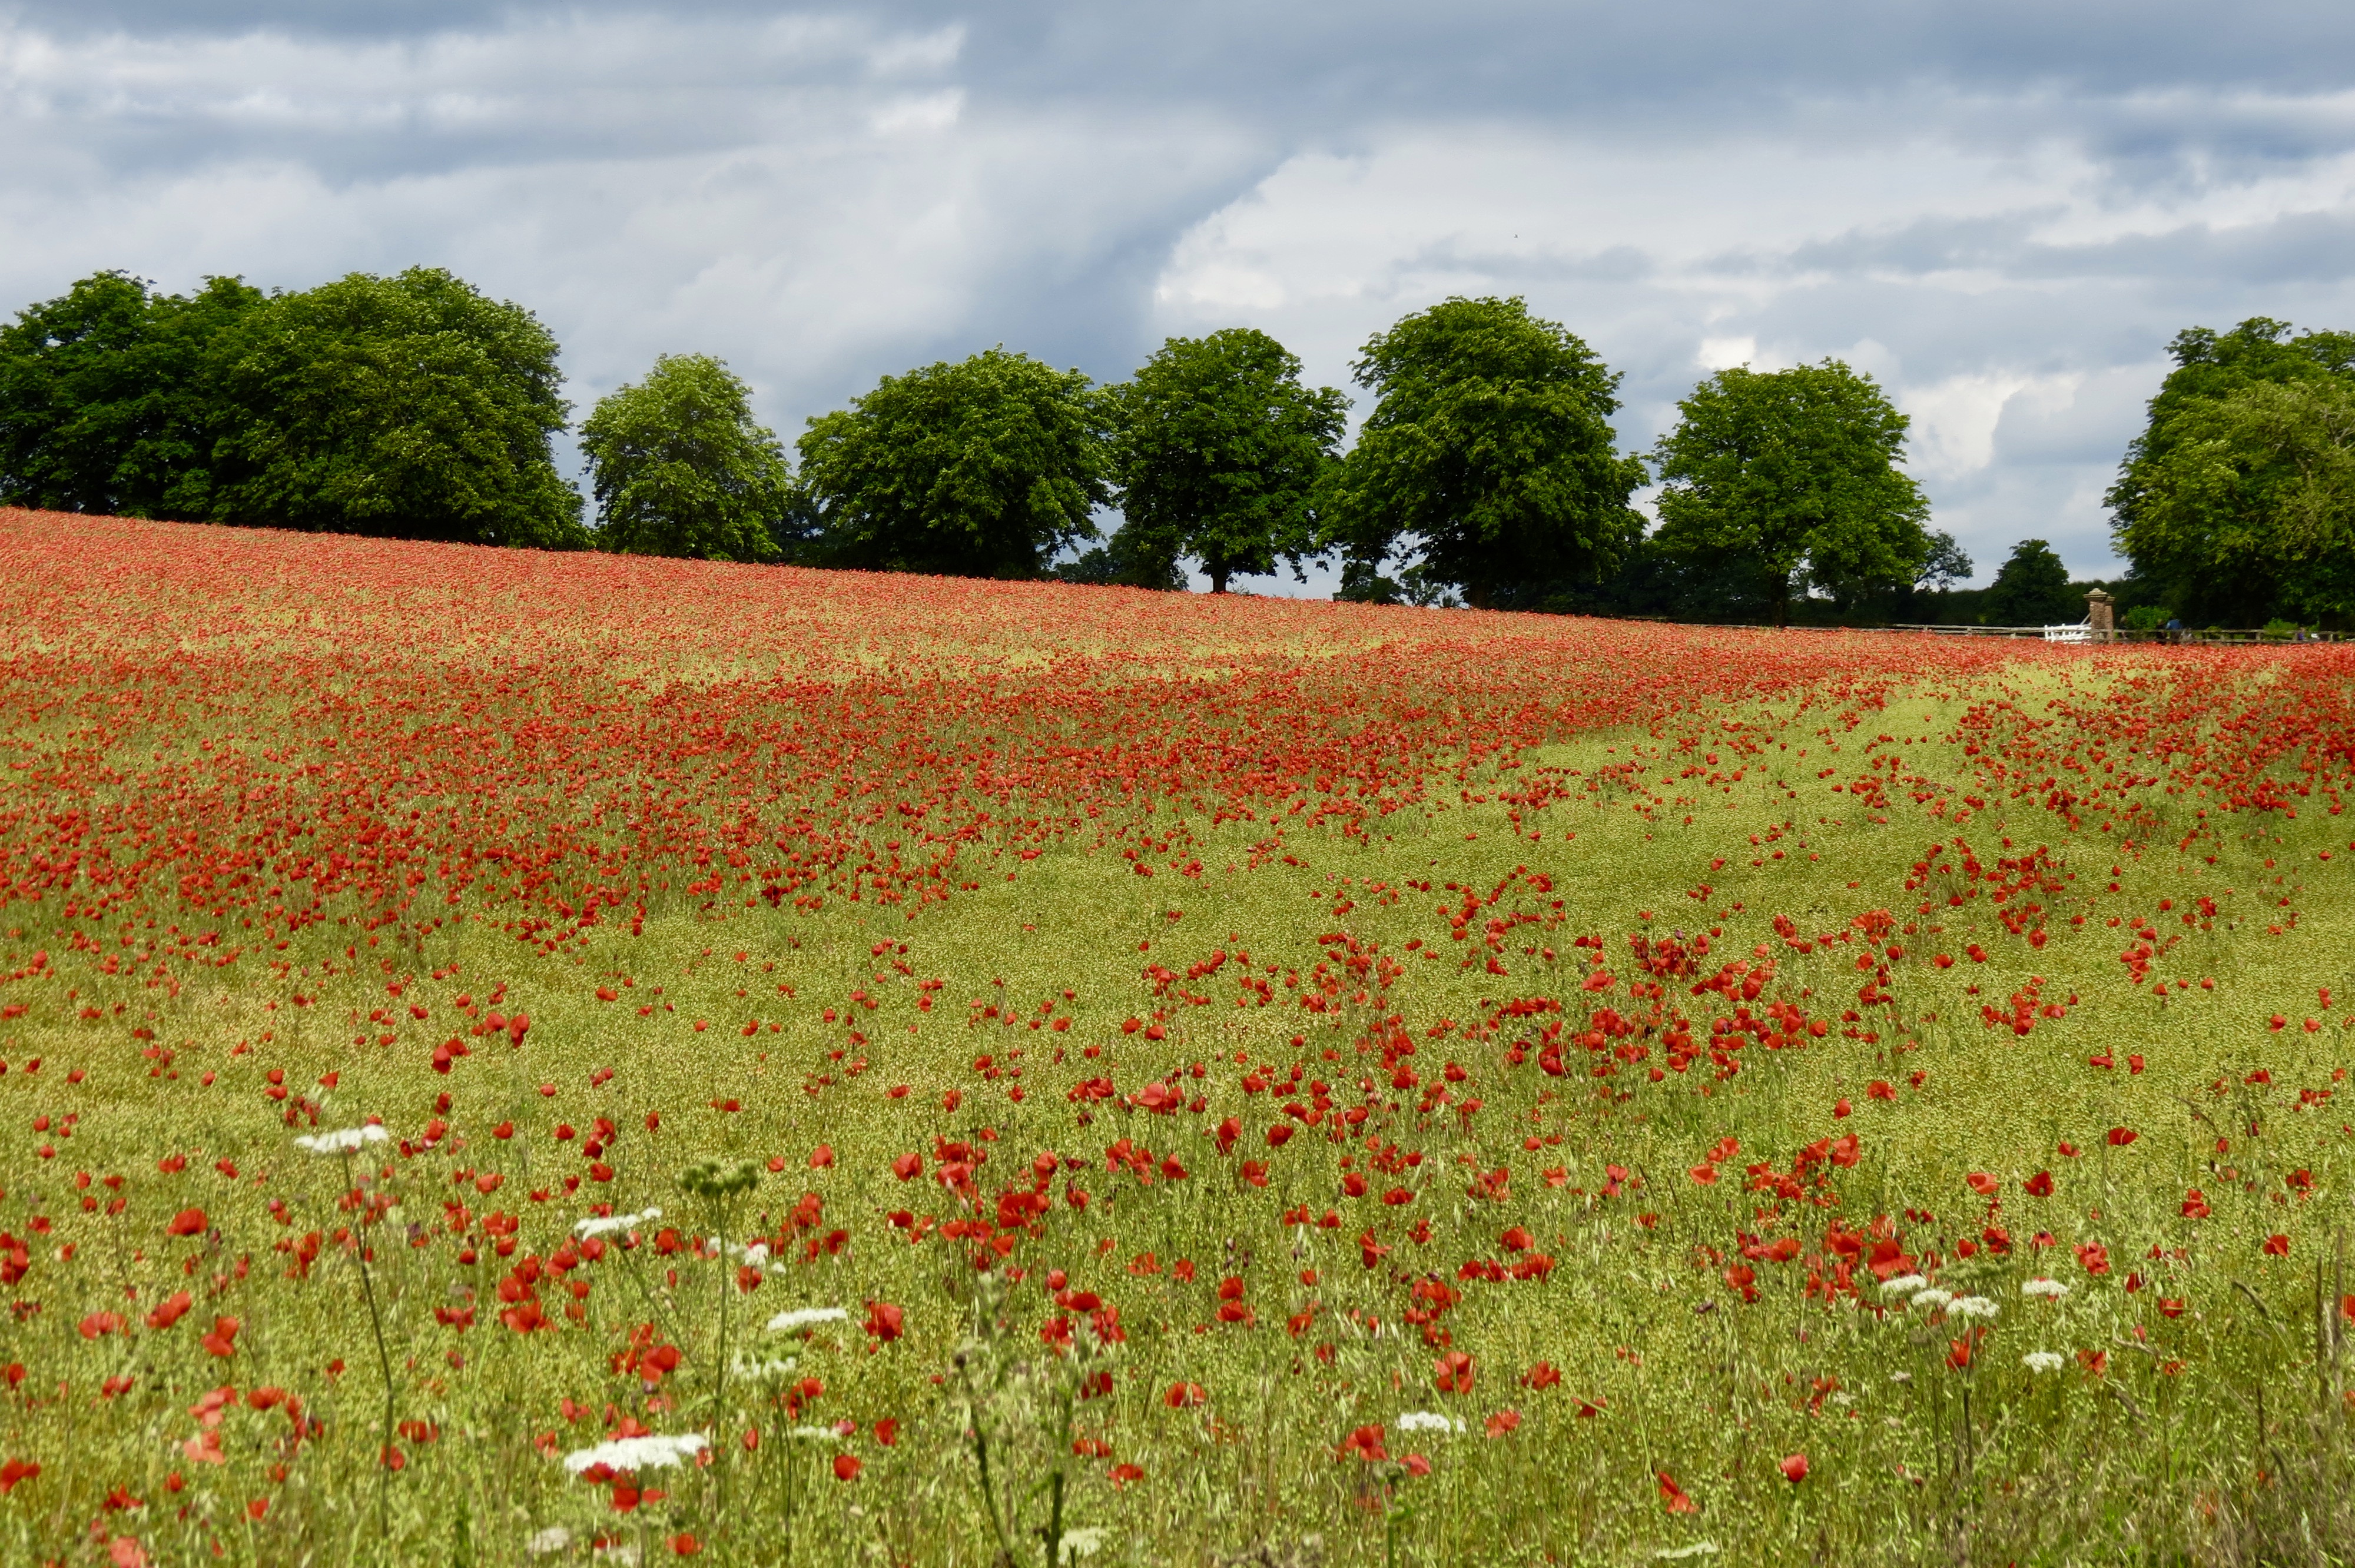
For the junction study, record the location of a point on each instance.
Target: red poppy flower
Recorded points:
(1793, 1467)
(847, 1466)
(1453, 1372)
(1673, 1496)
(186, 1223)
(1365, 1443)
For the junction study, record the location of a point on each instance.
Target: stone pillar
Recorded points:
(2101, 619)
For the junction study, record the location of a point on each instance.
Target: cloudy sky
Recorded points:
(2003, 209)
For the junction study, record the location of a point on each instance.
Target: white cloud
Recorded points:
(2007, 243)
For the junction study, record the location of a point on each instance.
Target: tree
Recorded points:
(2249, 504)
(679, 468)
(2032, 588)
(1796, 470)
(410, 406)
(2229, 501)
(1128, 559)
(1489, 447)
(988, 467)
(105, 404)
(1218, 449)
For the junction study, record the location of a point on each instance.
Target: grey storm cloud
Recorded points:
(2002, 211)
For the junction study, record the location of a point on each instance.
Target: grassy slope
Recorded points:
(1637, 1315)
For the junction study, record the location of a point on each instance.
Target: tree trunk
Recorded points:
(1217, 577)
(1783, 603)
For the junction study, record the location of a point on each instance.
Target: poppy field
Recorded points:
(520, 1058)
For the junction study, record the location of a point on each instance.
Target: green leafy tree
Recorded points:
(1489, 449)
(1128, 559)
(1795, 471)
(988, 467)
(1218, 449)
(2031, 588)
(2250, 502)
(678, 467)
(411, 407)
(2229, 501)
(105, 403)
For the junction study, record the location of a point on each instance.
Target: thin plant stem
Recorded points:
(383, 1362)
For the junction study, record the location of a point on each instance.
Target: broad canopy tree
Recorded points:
(106, 403)
(1217, 452)
(1795, 472)
(679, 467)
(2031, 588)
(1489, 448)
(2238, 499)
(410, 405)
(988, 467)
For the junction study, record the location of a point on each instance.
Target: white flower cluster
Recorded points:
(654, 1452)
(2051, 1287)
(754, 1368)
(344, 1141)
(803, 1318)
(1974, 1307)
(1428, 1421)
(1904, 1285)
(606, 1225)
(1084, 1542)
(1933, 1298)
(2044, 1360)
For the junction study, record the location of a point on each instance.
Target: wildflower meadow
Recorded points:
(517, 1058)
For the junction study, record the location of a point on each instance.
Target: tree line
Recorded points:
(1487, 470)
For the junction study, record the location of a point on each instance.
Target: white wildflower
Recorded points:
(2044, 1360)
(1933, 1298)
(814, 1434)
(801, 1317)
(1975, 1307)
(1084, 1542)
(755, 1255)
(654, 1452)
(555, 1537)
(345, 1140)
(1697, 1549)
(2051, 1287)
(757, 1370)
(604, 1226)
(1428, 1421)
(1904, 1284)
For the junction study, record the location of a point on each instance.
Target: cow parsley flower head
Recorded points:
(1084, 1542)
(1933, 1298)
(1428, 1421)
(654, 1452)
(2044, 1360)
(2051, 1287)
(800, 1319)
(1975, 1307)
(344, 1140)
(606, 1225)
(754, 1368)
(1904, 1284)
